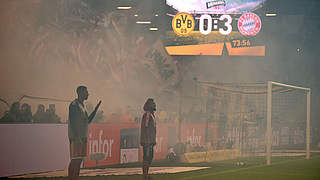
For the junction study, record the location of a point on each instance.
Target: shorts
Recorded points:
(78, 149)
(148, 153)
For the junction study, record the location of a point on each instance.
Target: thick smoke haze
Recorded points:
(204, 103)
(46, 51)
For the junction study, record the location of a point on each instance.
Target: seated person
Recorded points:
(26, 114)
(40, 115)
(51, 114)
(13, 115)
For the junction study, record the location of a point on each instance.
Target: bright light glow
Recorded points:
(153, 29)
(271, 14)
(143, 22)
(124, 7)
(136, 15)
(225, 7)
(156, 15)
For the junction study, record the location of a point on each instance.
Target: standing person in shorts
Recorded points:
(148, 135)
(78, 131)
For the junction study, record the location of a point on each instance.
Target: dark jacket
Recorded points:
(78, 121)
(148, 130)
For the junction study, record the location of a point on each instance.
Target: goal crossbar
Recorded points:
(290, 86)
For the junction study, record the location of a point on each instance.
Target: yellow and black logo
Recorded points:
(183, 24)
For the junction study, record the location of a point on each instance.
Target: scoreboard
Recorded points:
(202, 27)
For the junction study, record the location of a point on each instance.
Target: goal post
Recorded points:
(269, 118)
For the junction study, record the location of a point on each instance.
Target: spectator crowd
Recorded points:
(23, 114)
(128, 114)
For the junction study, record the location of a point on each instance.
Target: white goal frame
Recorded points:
(269, 130)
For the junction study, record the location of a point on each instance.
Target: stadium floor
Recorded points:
(113, 171)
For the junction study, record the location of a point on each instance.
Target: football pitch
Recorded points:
(291, 168)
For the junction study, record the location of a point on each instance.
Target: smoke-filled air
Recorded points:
(234, 82)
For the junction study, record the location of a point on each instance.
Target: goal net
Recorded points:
(260, 119)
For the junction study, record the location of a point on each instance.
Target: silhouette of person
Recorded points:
(51, 114)
(26, 114)
(148, 135)
(78, 131)
(39, 116)
(13, 115)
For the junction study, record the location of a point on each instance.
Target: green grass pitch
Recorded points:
(292, 168)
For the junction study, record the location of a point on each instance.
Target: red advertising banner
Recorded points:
(161, 148)
(194, 133)
(105, 139)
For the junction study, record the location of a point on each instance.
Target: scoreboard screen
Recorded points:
(215, 27)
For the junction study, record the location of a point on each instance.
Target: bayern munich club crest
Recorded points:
(249, 24)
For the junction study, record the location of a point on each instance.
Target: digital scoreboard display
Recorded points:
(215, 27)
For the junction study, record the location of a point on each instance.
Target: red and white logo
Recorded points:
(249, 24)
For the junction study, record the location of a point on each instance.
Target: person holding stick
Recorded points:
(78, 131)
